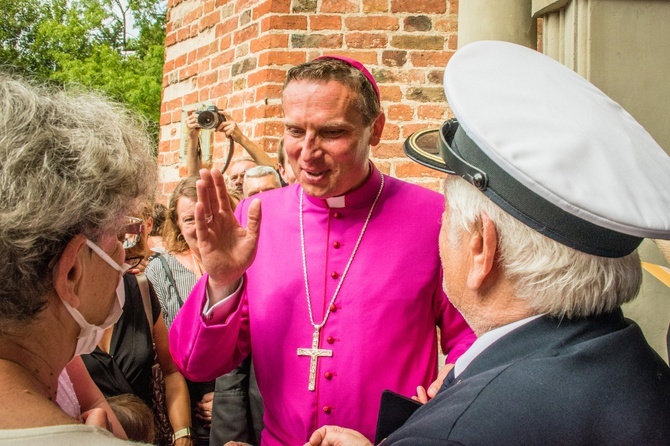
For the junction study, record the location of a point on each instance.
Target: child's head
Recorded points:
(135, 417)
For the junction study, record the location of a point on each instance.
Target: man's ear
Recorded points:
(482, 246)
(69, 269)
(377, 129)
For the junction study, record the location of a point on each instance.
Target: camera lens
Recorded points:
(208, 119)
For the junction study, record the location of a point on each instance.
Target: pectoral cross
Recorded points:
(313, 353)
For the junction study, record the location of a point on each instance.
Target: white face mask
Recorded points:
(90, 335)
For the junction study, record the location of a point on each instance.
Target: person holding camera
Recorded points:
(212, 118)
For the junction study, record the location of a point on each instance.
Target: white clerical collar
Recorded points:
(485, 340)
(361, 196)
(336, 202)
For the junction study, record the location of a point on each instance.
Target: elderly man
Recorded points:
(352, 307)
(558, 186)
(260, 179)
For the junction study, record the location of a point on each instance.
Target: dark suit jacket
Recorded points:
(591, 381)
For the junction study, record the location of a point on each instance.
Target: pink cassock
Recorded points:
(381, 329)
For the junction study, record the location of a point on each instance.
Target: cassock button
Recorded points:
(327, 409)
(328, 375)
(330, 340)
(336, 245)
(337, 215)
(334, 275)
(333, 308)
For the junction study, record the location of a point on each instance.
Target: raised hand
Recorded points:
(226, 248)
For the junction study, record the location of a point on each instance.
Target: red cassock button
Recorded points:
(330, 340)
(333, 308)
(327, 409)
(336, 245)
(334, 275)
(337, 215)
(328, 375)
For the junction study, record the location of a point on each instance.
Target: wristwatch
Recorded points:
(185, 432)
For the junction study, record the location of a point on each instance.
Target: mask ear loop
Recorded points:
(104, 256)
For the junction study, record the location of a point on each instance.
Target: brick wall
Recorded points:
(236, 53)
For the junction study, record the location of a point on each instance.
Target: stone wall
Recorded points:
(235, 54)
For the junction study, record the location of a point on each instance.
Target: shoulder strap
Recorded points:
(168, 273)
(146, 299)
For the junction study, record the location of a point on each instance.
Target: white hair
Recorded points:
(262, 171)
(550, 276)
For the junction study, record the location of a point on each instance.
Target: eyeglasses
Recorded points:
(134, 261)
(130, 232)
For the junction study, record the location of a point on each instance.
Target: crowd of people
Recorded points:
(303, 300)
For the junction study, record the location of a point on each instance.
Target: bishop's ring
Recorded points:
(208, 218)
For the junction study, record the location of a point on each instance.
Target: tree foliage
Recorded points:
(116, 46)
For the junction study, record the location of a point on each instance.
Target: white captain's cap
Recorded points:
(550, 149)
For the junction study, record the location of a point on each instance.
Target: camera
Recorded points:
(210, 118)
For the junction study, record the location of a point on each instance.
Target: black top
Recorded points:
(588, 381)
(127, 367)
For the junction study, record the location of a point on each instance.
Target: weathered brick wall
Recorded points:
(236, 53)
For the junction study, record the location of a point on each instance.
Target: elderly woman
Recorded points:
(71, 167)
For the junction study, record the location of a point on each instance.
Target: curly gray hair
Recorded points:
(551, 277)
(70, 163)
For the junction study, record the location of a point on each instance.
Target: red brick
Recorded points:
(366, 40)
(453, 6)
(323, 22)
(370, 6)
(270, 128)
(280, 6)
(265, 76)
(183, 34)
(400, 112)
(226, 27)
(247, 33)
(193, 15)
(191, 98)
(292, 21)
(390, 93)
(448, 24)
(430, 58)
(210, 20)
(268, 92)
(281, 57)
(431, 112)
(170, 39)
(406, 169)
(372, 23)
(419, 6)
(341, 6)
(391, 131)
(207, 79)
(268, 41)
(388, 150)
(383, 166)
(411, 127)
(207, 50)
